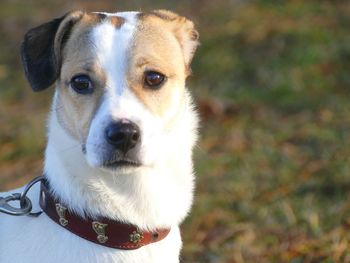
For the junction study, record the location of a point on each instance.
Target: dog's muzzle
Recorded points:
(121, 145)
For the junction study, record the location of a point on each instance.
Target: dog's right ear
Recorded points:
(41, 50)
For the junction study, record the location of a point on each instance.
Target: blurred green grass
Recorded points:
(271, 79)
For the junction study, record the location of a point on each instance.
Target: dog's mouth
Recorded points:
(121, 163)
(115, 161)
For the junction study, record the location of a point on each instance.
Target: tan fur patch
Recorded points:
(159, 46)
(96, 18)
(156, 49)
(117, 21)
(162, 14)
(75, 111)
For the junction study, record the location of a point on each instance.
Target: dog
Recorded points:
(121, 132)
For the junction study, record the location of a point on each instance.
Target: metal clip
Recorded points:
(24, 209)
(25, 205)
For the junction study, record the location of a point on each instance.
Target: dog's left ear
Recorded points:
(184, 31)
(41, 50)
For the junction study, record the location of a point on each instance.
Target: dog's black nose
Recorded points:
(123, 135)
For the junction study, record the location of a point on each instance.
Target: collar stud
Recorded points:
(100, 230)
(61, 211)
(136, 237)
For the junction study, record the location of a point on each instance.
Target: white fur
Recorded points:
(157, 194)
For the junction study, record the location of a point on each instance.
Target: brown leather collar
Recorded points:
(103, 231)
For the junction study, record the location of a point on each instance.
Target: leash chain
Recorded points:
(24, 206)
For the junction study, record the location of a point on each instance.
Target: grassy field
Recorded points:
(272, 83)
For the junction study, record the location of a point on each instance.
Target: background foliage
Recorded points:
(271, 80)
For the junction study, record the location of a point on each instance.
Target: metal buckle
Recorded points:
(25, 205)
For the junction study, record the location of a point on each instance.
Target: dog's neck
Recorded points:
(151, 197)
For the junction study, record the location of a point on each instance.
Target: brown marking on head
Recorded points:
(164, 43)
(96, 17)
(117, 21)
(162, 14)
(75, 111)
(182, 28)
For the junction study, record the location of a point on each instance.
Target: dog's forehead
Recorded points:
(115, 42)
(112, 41)
(137, 36)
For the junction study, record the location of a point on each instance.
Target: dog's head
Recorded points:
(120, 82)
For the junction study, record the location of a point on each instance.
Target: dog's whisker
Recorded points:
(96, 146)
(70, 148)
(57, 108)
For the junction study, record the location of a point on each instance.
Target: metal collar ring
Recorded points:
(24, 202)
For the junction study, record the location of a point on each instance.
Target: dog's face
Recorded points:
(120, 81)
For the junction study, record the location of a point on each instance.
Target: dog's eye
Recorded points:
(81, 84)
(154, 79)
